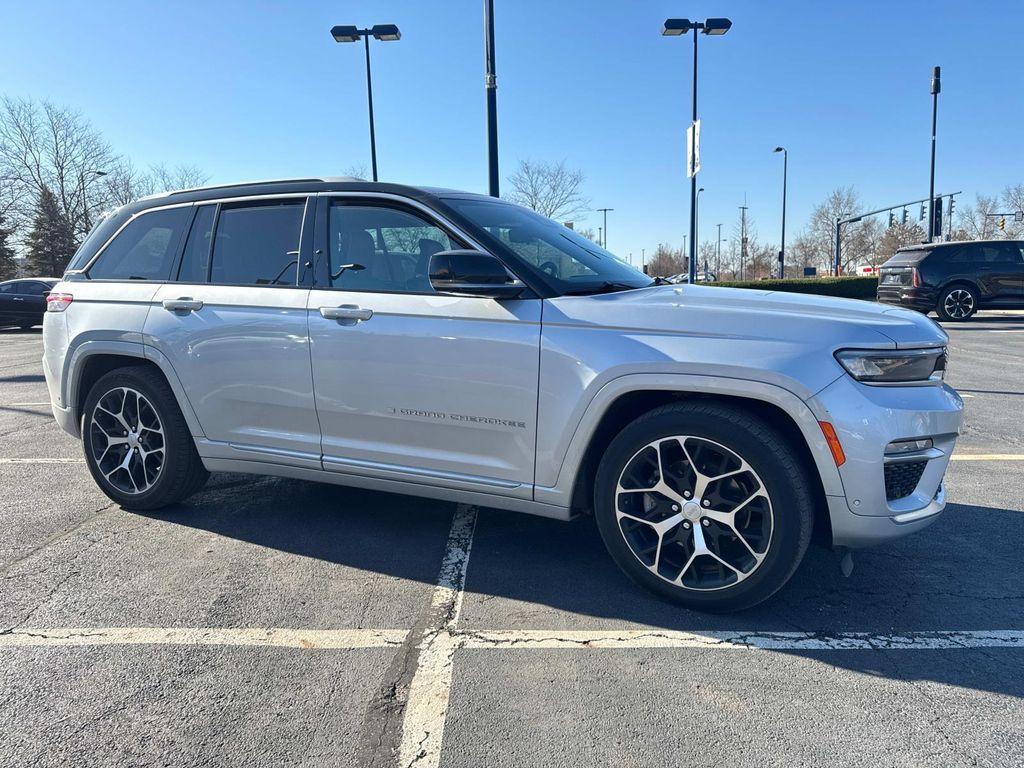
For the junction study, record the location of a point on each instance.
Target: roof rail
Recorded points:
(266, 181)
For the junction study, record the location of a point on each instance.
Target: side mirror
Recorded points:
(472, 273)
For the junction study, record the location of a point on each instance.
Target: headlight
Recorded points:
(895, 367)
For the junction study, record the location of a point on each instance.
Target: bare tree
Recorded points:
(356, 171)
(43, 145)
(666, 261)
(550, 189)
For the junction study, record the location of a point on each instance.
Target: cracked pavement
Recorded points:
(854, 671)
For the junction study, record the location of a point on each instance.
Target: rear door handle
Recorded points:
(19, 298)
(184, 304)
(346, 312)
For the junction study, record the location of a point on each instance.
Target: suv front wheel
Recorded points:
(137, 445)
(706, 504)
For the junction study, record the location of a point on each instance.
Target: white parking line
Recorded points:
(734, 640)
(427, 705)
(253, 637)
(27, 405)
(987, 457)
(43, 460)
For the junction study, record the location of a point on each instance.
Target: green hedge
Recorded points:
(846, 287)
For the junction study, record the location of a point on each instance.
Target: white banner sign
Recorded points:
(693, 149)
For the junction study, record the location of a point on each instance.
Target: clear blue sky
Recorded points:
(259, 90)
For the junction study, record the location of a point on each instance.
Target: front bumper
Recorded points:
(868, 418)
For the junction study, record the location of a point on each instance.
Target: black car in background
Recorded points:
(23, 302)
(955, 280)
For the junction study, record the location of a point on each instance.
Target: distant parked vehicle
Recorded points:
(23, 302)
(955, 279)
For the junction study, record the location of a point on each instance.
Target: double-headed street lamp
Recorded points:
(351, 34)
(782, 247)
(675, 28)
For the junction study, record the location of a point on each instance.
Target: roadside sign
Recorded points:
(693, 149)
(1018, 216)
(810, 271)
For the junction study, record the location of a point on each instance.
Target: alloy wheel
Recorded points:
(694, 513)
(127, 440)
(959, 303)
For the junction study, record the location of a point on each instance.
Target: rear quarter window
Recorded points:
(144, 249)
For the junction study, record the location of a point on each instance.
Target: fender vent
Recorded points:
(901, 479)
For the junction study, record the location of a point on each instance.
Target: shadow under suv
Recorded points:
(955, 280)
(458, 347)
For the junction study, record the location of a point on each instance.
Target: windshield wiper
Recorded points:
(607, 286)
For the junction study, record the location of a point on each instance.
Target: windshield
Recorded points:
(567, 261)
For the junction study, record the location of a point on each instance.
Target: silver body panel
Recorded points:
(494, 402)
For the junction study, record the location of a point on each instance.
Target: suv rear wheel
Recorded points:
(137, 445)
(957, 302)
(706, 504)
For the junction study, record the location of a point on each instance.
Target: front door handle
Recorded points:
(19, 298)
(184, 304)
(346, 312)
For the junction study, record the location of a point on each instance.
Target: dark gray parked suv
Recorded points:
(955, 280)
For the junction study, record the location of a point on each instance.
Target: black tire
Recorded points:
(767, 452)
(181, 472)
(953, 302)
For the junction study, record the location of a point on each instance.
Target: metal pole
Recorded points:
(491, 87)
(743, 239)
(838, 265)
(692, 272)
(718, 255)
(782, 248)
(604, 242)
(936, 87)
(369, 100)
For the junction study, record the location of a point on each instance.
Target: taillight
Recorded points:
(58, 302)
(915, 277)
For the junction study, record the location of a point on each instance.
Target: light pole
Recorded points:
(696, 218)
(604, 243)
(782, 246)
(81, 194)
(936, 87)
(351, 34)
(718, 255)
(675, 28)
(491, 87)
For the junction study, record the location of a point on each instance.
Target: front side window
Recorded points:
(566, 260)
(33, 288)
(144, 249)
(376, 248)
(257, 244)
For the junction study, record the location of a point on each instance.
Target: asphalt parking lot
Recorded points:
(274, 622)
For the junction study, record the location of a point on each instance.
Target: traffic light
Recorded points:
(892, 219)
(921, 217)
(1002, 223)
(937, 216)
(904, 216)
(951, 203)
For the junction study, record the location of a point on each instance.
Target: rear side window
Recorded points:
(145, 248)
(257, 244)
(195, 262)
(33, 288)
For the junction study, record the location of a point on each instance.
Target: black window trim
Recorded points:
(406, 205)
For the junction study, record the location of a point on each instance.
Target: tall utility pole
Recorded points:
(604, 243)
(718, 255)
(936, 87)
(782, 247)
(491, 86)
(743, 239)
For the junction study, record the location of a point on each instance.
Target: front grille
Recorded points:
(901, 479)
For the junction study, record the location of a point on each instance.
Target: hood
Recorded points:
(745, 313)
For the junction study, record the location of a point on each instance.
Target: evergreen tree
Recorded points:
(8, 266)
(51, 243)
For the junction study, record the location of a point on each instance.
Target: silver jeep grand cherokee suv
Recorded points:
(455, 346)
